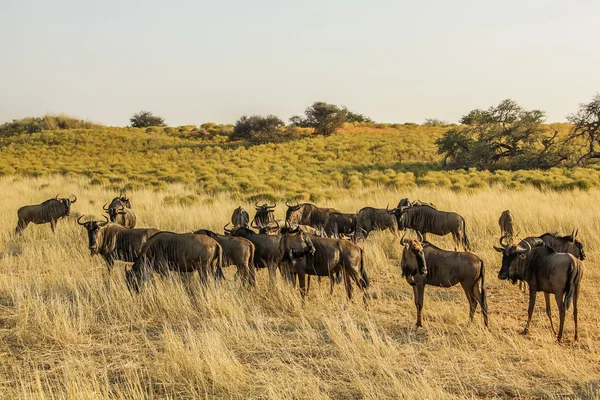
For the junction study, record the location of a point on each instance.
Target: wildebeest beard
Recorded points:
(409, 272)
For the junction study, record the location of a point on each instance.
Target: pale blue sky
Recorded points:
(197, 61)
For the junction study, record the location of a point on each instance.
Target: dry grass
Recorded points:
(64, 334)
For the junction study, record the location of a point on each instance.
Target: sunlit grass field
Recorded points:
(65, 333)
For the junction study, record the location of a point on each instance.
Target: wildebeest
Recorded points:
(240, 218)
(374, 219)
(506, 225)
(121, 200)
(308, 214)
(425, 219)
(565, 244)
(324, 257)
(264, 215)
(266, 254)
(405, 202)
(341, 225)
(181, 252)
(425, 264)
(50, 211)
(237, 251)
(546, 271)
(276, 228)
(115, 242)
(122, 216)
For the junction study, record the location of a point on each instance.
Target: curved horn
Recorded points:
(273, 206)
(253, 224)
(256, 205)
(402, 242)
(574, 234)
(56, 197)
(78, 219)
(286, 203)
(521, 250)
(501, 241)
(104, 207)
(75, 199)
(225, 227)
(419, 236)
(278, 226)
(105, 222)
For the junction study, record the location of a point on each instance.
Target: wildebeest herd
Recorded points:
(322, 242)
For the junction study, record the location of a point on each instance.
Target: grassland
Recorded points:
(394, 157)
(65, 334)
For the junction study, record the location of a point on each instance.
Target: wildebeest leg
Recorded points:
(561, 313)
(419, 291)
(272, 267)
(532, 294)
(469, 292)
(575, 296)
(52, 225)
(347, 283)
(302, 284)
(308, 285)
(456, 237)
(549, 311)
(479, 297)
(21, 225)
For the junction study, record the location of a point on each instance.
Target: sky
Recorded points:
(198, 61)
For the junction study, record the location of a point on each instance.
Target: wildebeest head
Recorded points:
(512, 253)
(113, 212)
(66, 203)
(270, 229)
(295, 243)
(264, 215)
(575, 242)
(92, 228)
(293, 213)
(413, 258)
(399, 214)
(121, 201)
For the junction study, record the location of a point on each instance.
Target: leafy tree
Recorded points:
(359, 118)
(145, 119)
(257, 129)
(505, 136)
(325, 118)
(586, 125)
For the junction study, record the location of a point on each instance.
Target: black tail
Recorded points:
(466, 242)
(219, 272)
(363, 271)
(572, 282)
(483, 293)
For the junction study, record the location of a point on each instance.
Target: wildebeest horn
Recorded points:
(419, 236)
(256, 205)
(121, 209)
(75, 199)
(78, 219)
(501, 241)
(286, 203)
(105, 222)
(104, 207)
(574, 234)
(521, 250)
(225, 227)
(277, 223)
(56, 197)
(273, 206)
(253, 225)
(402, 242)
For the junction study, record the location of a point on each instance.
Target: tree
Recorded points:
(505, 136)
(434, 122)
(325, 118)
(145, 119)
(359, 118)
(257, 129)
(586, 125)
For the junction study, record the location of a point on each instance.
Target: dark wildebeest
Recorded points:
(115, 242)
(278, 226)
(312, 255)
(237, 251)
(49, 211)
(121, 200)
(181, 252)
(240, 218)
(565, 244)
(375, 219)
(506, 225)
(425, 219)
(266, 254)
(341, 225)
(308, 214)
(264, 215)
(405, 202)
(546, 271)
(425, 264)
(120, 214)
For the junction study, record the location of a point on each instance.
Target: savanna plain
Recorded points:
(67, 330)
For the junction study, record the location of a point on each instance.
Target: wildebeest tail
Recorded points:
(466, 242)
(219, 273)
(363, 271)
(573, 276)
(483, 293)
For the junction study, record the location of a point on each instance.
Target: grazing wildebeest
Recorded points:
(308, 214)
(115, 242)
(341, 225)
(425, 264)
(240, 218)
(237, 251)
(49, 211)
(264, 215)
(565, 244)
(122, 216)
(506, 225)
(425, 219)
(276, 228)
(375, 219)
(266, 254)
(546, 271)
(181, 252)
(312, 255)
(405, 202)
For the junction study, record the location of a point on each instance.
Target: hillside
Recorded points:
(393, 156)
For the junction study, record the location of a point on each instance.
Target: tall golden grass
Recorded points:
(65, 333)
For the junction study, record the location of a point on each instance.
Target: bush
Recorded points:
(324, 118)
(259, 130)
(145, 119)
